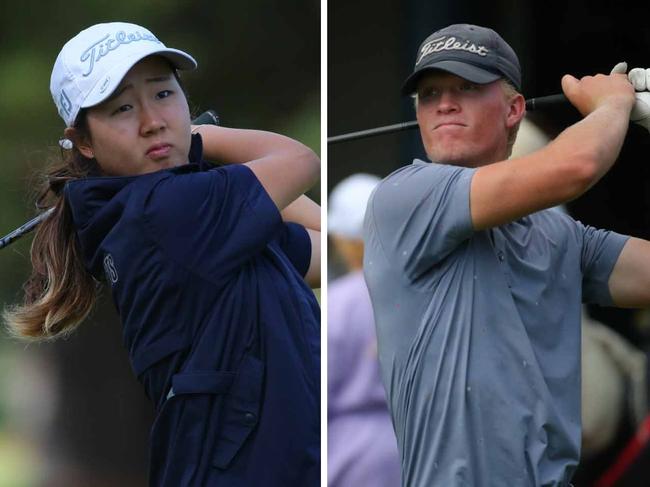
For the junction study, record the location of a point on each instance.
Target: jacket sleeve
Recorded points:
(211, 222)
(294, 241)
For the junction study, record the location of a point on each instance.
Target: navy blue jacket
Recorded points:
(220, 327)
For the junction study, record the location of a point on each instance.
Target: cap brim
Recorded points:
(111, 80)
(466, 71)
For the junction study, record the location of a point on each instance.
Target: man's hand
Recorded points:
(640, 79)
(504, 191)
(592, 92)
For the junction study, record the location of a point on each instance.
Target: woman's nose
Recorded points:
(151, 120)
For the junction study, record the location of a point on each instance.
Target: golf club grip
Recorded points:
(542, 102)
(208, 117)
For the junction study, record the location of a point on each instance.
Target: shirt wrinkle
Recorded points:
(481, 354)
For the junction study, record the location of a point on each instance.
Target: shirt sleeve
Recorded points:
(600, 251)
(294, 241)
(421, 214)
(211, 222)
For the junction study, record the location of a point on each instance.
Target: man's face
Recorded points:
(464, 123)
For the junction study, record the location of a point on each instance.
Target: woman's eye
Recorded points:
(469, 87)
(122, 108)
(164, 93)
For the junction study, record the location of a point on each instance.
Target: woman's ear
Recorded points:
(82, 143)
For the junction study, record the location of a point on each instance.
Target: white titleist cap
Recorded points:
(91, 64)
(347, 205)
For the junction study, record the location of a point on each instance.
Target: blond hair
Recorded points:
(510, 92)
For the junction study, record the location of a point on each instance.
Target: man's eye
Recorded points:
(469, 87)
(427, 94)
(164, 93)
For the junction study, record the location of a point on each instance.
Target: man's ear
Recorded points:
(516, 111)
(82, 143)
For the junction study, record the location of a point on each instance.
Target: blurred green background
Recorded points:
(71, 413)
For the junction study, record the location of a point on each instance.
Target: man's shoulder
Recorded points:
(408, 187)
(422, 173)
(393, 184)
(405, 171)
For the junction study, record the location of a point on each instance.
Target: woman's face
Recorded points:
(144, 126)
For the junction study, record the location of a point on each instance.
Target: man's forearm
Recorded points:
(595, 141)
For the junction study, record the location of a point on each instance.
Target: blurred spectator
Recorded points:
(614, 384)
(362, 449)
(614, 410)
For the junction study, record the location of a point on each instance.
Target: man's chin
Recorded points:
(456, 158)
(452, 159)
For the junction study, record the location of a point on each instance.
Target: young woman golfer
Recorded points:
(208, 267)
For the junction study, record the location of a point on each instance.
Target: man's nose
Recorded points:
(448, 102)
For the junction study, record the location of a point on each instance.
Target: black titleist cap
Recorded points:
(477, 54)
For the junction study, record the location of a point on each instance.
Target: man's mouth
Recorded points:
(449, 124)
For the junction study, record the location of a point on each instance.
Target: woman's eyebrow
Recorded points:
(155, 79)
(118, 92)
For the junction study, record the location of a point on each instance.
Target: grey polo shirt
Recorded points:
(479, 332)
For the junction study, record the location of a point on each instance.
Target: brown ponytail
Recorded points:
(59, 293)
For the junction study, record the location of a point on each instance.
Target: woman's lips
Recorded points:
(158, 151)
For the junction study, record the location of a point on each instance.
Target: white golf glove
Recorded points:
(640, 79)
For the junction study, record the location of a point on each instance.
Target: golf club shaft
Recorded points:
(25, 228)
(531, 104)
